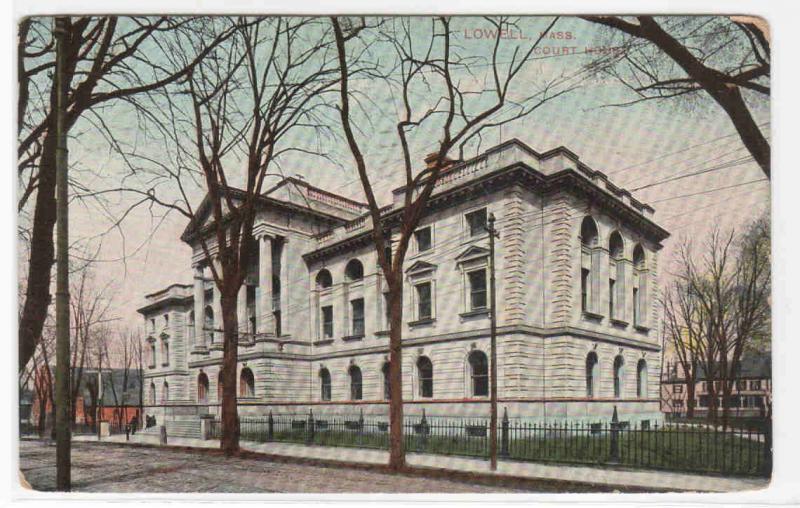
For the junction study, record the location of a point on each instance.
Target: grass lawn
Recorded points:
(671, 448)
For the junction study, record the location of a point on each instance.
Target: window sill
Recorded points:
(382, 333)
(323, 342)
(165, 364)
(217, 346)
(151, 339)
(642, 328)
(422, 322)
(151, 366)
(352, 338)
(591, 316)
(475, 313)
(619, 323)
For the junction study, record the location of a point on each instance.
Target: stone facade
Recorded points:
(315, 300)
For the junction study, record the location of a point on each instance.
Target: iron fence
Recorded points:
(675, 447)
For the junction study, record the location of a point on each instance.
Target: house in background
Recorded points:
(577, 316)
(751, 395)
(120, 397)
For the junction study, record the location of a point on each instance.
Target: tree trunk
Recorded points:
(397, 454)
(42, 256)
(229, 442)
(690, 384)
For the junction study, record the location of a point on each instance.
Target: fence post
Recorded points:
(423, 427)
(310, 425)
(614, 455)
(504, 434)
(768, 447)
(270, 427)
(360, 425)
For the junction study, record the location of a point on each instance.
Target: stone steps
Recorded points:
(177, 428)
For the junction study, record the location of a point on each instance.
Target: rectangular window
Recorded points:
(635, 306)
(357, 313)
(327, 321)
(755, 384)
(611, 292)
(477, 289)
(424, 307)
(584, 289)
(678, 389)
(476, 222)
(251, 309)
(741, 385)
(423, 238)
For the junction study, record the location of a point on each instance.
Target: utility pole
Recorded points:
(63, 452)
(493, 337)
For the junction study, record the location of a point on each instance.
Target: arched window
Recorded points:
(639, 295)
(325, 384)
(479, 373)
(591, 373)
(589, 265)
(324, 279)
(354, 270)
(165, 393)
(208, 324)
(425, 376)
(355, 383)
(202, 388)
(220, 386)
(641, 379)
(386, 384)
(616, 277)
(152, 393)
(619, 362)
(247, 383)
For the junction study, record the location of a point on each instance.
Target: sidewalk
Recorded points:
(645, 479)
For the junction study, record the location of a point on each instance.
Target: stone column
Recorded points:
(287, 305)
(241, 312)
(216, 335)
(264, 318)
(199, 308)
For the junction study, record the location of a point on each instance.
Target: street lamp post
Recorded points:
(493, 338)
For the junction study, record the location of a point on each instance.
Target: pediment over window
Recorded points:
(420, 267)
(472, 253)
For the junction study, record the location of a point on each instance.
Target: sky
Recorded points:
(637, 146)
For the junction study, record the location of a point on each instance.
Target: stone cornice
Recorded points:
(567, 180)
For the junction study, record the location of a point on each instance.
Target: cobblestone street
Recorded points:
(119, 468)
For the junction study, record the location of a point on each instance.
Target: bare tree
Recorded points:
(122, 352)
(241, 103)
(684, 331)
(723, 308)
(427, 58)
(109, 59)
(89, 307)
(726, 58)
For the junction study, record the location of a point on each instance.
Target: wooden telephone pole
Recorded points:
(493, 336)
(63, 452)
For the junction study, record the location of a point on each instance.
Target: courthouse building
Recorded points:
(576, 260)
